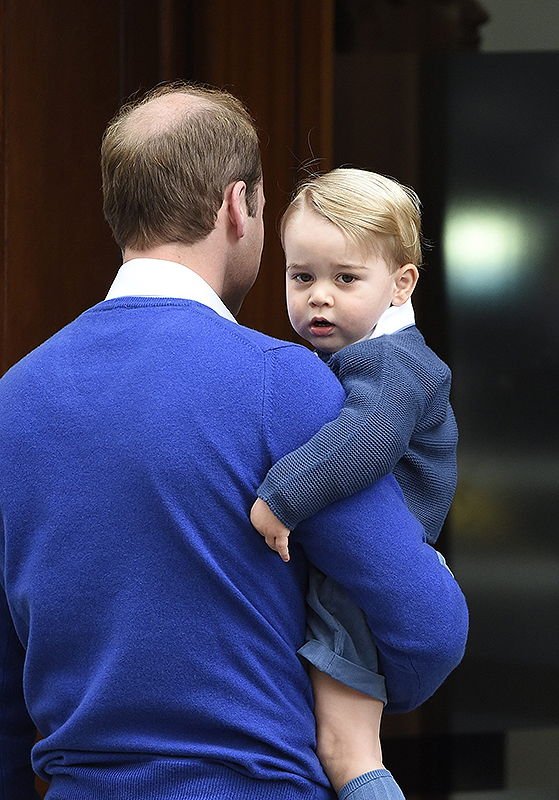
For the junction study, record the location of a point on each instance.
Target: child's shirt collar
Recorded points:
(395, 318)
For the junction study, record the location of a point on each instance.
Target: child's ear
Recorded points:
(404, 283)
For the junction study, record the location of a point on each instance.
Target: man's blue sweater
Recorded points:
(152, 631)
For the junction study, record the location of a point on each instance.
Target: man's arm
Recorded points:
(17, 732)
(371, 544)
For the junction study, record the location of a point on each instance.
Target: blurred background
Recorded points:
(455, 97)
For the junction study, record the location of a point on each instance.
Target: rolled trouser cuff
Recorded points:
(344, 671)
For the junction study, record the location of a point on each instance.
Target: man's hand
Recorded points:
(269, 526)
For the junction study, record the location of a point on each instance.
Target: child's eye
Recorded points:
(346, 278)
(303, 277)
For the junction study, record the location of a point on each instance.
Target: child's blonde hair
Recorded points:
(377, 213)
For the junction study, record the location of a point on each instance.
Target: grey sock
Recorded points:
(376, 785)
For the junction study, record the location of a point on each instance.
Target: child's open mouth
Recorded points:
(321, 327)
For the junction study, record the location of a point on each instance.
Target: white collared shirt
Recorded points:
(154, 277)
(395, 318)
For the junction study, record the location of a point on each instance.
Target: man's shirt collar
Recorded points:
(154, 277)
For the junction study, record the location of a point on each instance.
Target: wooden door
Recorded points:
(67, 67)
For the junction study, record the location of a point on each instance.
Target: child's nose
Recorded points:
(320, 296)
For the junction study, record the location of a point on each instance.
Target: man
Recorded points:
(150, 629)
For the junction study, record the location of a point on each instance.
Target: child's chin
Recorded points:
(327, 347)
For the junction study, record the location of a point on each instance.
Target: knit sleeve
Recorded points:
(17, 732)
(385, 398)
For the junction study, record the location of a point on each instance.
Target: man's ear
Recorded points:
(404, 283)
(237, 210)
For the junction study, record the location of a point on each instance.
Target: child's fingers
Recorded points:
(270, 540)
(282, 547)
(279, 544)
(269, 526)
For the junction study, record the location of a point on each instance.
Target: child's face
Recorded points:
(335, 293)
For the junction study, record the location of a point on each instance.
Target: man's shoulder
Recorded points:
(49, 351)
(265, 343)
(294, 363)
(300, 395)
(284, 355)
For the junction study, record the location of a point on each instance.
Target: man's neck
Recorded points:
(196, 257)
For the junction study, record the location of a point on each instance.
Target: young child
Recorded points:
(353, 246)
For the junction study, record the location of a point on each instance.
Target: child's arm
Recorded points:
(387, 395)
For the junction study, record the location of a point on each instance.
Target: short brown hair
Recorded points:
(166, 183)
(377, 213)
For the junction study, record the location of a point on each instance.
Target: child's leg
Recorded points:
(376, 785)
(347, 729)
(349, 693)
(348, 740)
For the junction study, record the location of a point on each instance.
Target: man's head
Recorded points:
(167, 160)
(352, 248)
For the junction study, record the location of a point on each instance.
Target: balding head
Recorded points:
(162, 113)
(167, 160)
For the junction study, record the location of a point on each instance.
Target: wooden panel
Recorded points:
(376, 113)
(278, 60)
(59, 257)
(314, 88)
(173, 39)
(69, 66)
(144, 55)
(60, 90)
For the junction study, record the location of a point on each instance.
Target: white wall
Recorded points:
(521, 25)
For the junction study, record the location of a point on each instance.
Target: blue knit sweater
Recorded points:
(397, 418)
(152, 631)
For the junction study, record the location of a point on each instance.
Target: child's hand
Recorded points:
(269, 526)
